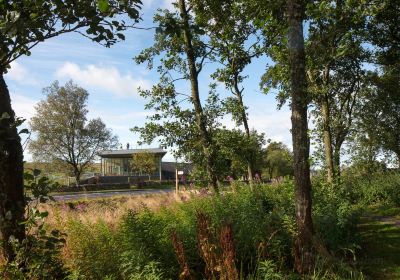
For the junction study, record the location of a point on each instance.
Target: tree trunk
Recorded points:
(77, 175)
(12, 200)
(336, 155)
(304, 256)
(200, 118)
(336, 161)
(238, 94)
(327, 136)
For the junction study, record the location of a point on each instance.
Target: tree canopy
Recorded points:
(63, 132)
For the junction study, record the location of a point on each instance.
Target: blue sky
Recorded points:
(112, 78)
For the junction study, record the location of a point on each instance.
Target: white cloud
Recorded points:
(275, 124)
(20, 74)
(24, 107)
(104, 78)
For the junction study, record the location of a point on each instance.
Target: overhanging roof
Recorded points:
(130, 152)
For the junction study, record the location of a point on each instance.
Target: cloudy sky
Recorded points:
(111, 77)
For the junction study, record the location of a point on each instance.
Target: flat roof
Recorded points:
(128, 153)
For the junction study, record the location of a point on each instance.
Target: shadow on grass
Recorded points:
(380, 253)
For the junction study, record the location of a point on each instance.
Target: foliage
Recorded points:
(278, 160)
(94, 249)
(185, 126)
(380, 188)
(27, 23)
(379, 113)
(144, 162)
(37, 256)
(23, 25)
(64, 135)
(262, 221)
(235, 150)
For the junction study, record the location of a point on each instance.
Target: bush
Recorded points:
(335, 216)
(378, 188)
(38, 255)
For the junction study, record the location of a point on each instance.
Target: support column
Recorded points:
(160, 165)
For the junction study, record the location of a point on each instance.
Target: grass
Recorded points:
(380, 233)
(132, 188)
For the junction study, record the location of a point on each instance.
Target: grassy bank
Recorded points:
(380, 232)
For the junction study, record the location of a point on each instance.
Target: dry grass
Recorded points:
(109, 210)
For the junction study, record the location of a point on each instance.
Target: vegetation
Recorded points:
(23, 26)
(335, 62)
(144, 162)
(64, 136)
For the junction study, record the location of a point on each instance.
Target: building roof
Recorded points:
(128, 153)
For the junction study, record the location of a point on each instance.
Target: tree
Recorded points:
(235, 42)
(64, 134)
(335, 72)
(144, 162)
(384, 100)
(301, 147)
(235, 150)
(278, 160)
(188, 127)
(379, 114)
(23, 25)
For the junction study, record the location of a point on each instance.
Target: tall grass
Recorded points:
(244, 234)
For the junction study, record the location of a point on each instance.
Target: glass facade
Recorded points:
(122, 167)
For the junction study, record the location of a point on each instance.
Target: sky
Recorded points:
(111, 77)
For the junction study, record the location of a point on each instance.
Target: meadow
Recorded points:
(238, 234)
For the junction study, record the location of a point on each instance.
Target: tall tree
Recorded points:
(194, 83)
(334, 70)
(301, 146)
(384, 100)
(23, 25)
(335, 56)
(179, 39)
(63, 132)
(235, 41)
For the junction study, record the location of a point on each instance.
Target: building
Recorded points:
(118, 162)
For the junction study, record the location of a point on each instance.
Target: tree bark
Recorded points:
(336, 155)
(12, 200)
(238, 94)
(327, 136)
(304, 256)
(200, 118)
(77, 175)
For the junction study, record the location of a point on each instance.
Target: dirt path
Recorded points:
(380, 245)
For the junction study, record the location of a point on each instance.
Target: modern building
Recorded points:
(118, 162)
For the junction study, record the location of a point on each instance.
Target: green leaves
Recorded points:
(100, 20)
(103, 5)
(64, 134)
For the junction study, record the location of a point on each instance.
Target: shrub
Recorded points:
(38, 255)
(377, 188)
